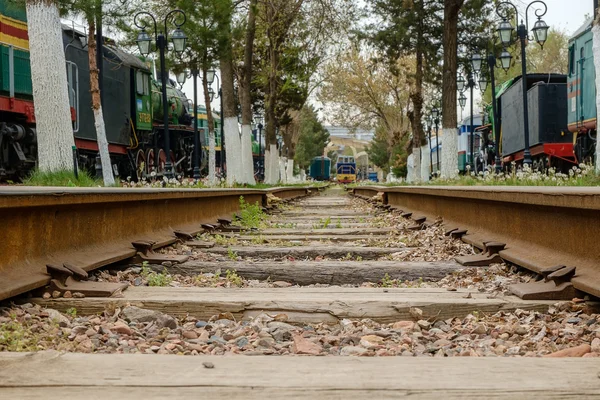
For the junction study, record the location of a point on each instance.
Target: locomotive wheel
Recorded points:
(149, 161)
(140, 164)
(162, 160)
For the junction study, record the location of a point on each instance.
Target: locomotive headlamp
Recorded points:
(143, 42)
(505, 59)
(179, 39)
(435, 113)
(505, 32)
(181, 76)
(483, 83)
(460, 83)
(210, 76)
(476, 61)
(540, 32)
(462, 100)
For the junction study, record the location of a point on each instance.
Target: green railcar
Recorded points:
(320, 168)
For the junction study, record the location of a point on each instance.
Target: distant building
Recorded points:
(346, 133)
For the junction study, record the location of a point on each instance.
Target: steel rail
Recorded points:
(94, 227)
(541, 226)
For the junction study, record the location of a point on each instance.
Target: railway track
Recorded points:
(326, 275)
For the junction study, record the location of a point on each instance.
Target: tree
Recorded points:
(596, 52)
(362, 93)
(476, 14)
(203, 46)
(410, 28)
(313, 138)
(93, 13)
(49, 81)
(246, 98)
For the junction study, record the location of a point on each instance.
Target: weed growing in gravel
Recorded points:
(251, 215)
(16, 337)
(72, 312)
(155, 278)
(224, 240)
(233, 278)
(232, 255)
(339, 224)
(388, 282)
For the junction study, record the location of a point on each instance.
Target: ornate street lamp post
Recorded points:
(540, 33)
(210, 78)
(162, 39)
(181, 77)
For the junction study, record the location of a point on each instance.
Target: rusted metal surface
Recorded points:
(541, 226)
(93, 227)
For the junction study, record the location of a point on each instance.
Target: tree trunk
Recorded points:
(211, 130)
(596, 53)
(449, 120)
(230, 126)
(417, 101)
(245, 85)
(107, 173)
(272, 154)
(50, 87)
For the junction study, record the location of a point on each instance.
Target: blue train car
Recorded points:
(581, 92)
(346, 169)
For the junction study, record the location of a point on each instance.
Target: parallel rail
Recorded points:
(93, 227)
(542, 226)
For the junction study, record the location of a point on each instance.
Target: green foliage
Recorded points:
(385, 156)
(313, 137)
(61, 178)
(251, 215)
(232, 255)
(154, 278)
(16, 337)
(233, 278)
(338, 224)
(72, 312)
(388, 282)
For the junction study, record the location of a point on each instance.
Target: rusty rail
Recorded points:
(93, 227)
(541, 226)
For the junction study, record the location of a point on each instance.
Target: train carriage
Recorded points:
(346, 169)
(581, 92)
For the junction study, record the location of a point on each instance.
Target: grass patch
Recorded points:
(61, 178)
(155, 278)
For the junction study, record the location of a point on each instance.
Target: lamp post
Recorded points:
(492, 62)
(435, 114)
(259, 122)
(210, 78)
(181, 77)
(540, 33)
(162, 39)
(428, 124)
(476, 61)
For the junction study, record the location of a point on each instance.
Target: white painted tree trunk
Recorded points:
(233, 150)
(107, 171)
(50, 94)
(425, 163)
(289, 171)
(282, 174)
(449, 156)
(410, 168)
(417, 164)
(247, 163)
(596, 52)
(272, 165)
(212, 159)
